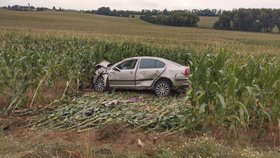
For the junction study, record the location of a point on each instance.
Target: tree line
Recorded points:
(171, 18)
(108, 12)
(199, 12)
(32, 8)
(207, 12)
(121, 13)
(255, 20)
(126, 13)
(165, 17)
(21, 8)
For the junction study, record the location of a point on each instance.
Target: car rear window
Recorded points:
(151, 64)
(159, 64)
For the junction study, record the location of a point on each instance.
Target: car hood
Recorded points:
(104, 64)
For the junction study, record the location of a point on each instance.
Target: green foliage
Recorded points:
(175, 18)
(29, 62)
(88, 112)
(230, 89)
(256, 20)
(236, 91)
(104, 11)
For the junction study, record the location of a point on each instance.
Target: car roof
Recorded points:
(147, 57)
(156, 58)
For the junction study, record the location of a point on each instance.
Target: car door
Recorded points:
(123, 75)
(148, 71)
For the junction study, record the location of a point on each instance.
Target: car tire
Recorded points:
(100, 85)
(162, 88)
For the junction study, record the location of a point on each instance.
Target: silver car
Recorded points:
(149, 73)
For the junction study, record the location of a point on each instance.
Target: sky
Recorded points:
(147, 4)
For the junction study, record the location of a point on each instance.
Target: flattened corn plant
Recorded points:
(227, 89)
(152, 114)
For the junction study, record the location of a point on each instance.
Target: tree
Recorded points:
(104, 11)
(224, 22)
(242, 20)
(165, 12)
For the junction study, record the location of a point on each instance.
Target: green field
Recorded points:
(128, 29)
(207, 21)
(234, 93)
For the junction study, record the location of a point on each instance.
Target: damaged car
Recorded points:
(142, 73)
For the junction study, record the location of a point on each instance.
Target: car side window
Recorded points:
(159, 64)
(151, 64)
(127, 65)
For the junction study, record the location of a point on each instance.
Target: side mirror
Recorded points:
(116, 69)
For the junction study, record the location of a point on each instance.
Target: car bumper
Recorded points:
(181, 83)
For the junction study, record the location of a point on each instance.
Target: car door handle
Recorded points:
(131, 72)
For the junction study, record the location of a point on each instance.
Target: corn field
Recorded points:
(228, 89)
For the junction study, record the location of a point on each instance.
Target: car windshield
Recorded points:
(126, 65)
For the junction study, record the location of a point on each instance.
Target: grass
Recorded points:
(130, 29)
(197, 147)
(208, 147)
(207, 21)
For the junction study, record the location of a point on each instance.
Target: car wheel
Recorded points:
(100, 85)
(162, 88)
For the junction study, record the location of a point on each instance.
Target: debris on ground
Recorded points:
(116, 102)
(134, 100)
(94, 111)
(24, 112)
(110, 103)
(140, 143)
(155, 140)
(4, 124)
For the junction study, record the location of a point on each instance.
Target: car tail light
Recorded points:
(187, 71)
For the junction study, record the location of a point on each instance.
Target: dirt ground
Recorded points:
(121, 138)
(124, 140)
(105, 141)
